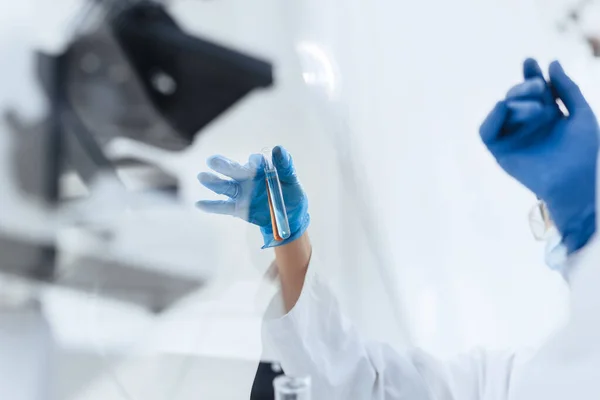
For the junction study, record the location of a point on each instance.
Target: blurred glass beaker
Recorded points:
(292, 388)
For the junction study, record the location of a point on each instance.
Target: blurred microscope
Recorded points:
(74, 212)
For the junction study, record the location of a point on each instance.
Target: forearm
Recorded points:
(292, 263)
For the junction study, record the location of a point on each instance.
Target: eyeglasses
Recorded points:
(540, 221)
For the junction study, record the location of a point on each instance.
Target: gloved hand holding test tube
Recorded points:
(265, 192)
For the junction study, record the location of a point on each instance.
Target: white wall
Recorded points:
(463, 249)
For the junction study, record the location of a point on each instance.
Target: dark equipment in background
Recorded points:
(262, 387)
(136, 75)
(190, 81)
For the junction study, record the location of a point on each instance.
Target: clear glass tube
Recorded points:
(290, 388)
(281, 226)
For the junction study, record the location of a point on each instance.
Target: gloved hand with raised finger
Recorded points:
(552, 154)
(247, 193)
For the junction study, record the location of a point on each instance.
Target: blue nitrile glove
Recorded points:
(552, 154)
(247, 192)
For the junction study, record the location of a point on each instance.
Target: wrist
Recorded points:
(576, 238)
(292, 258)
(298, 230)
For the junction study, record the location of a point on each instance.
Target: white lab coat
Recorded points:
(315, 339)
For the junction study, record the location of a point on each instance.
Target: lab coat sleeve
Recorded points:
(315, 339)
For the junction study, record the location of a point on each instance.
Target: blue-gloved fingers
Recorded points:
(225, 207)
(513, 136)
(566, 89)
(524, 111)
(531, 69)
(530, 89)
(256, 162)
(492, 125)
(527, 133)
(219, 186)
(281, 158)
(229, 168)
(284, 164)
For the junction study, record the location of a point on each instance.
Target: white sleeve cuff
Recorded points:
(289, 337)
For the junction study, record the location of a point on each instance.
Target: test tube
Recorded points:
(291, 388)
(279, 219)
